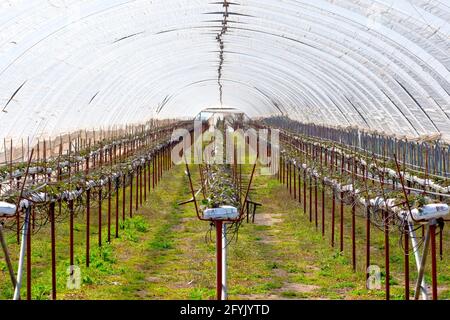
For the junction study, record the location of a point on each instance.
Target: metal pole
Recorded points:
(124, 188)
(367, 241)
(323, 208)
(420, 285)
(7, 257)
(23, 247)
(117, 187)
(219, 258)
(333, 219)
(109, 209)
(432, 231)
(100, 217)
(29, 260)
(406, 265)
(224, 262)
(131, 194)
(71, 213)
(353, 234)
(88, 224)
(53, 244)
(341, 247)
(386, 254)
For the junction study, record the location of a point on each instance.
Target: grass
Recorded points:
(164, 252)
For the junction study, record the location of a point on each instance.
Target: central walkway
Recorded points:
(166, 253)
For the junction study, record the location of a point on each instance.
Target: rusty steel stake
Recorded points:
(353, 235)
(433, 261)
(71, 213)
(109, 210)
(124, 194)
(295, 183)
(315, 204)
(406, 255)
(367, 242)
(304, 191)
(131, 194)
(310, 199)
(145, 181)
(100, 217)
(88, 223)
(53, 247)
(140, 186)
(117, 206)
(137, 191)
(342, 223)
(29, 262)
(386, 253)
(333, 209)
(323, 207)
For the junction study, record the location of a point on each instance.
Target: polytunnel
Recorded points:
(350, 98)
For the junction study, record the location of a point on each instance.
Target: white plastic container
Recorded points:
(221, 213)
(7, 209)
(430, 211)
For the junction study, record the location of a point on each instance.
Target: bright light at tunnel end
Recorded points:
(230, 147)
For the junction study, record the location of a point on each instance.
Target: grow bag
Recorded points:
(429, 212)
(221, 213)
(7, 209)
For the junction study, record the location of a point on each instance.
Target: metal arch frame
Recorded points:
(386, 40)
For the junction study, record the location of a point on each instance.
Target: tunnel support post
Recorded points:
(219, 247)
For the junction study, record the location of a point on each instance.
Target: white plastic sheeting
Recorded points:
(75, 64)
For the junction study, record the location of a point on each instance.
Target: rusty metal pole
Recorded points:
(304, 191)
(290, 178)
(323, 207)
(367, 242)
(53, 246)
(280, 169)
(295, 182)
(88, 224)
(131, 194)
(353, 234)
(310, 198)
(406, 257)
(124, 196)
(29, 262)
(386, 253)
(341, 248)
(433, 261)
(315, 204)
(71, 213)
(137, 190)
(109, 209)
(153, 173)
(160, 168)
(333, 218)
(140, 186)
(149, 170)
(219, 258)
(117, 206)
(100, 217)
(145, 181)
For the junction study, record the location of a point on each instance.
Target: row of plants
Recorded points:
(43, 190)
(354, 190)
(379, 167)
(220, 187)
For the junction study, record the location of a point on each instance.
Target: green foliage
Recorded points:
(41, 292)
(132, 228)
(200, 294)
(102, 258)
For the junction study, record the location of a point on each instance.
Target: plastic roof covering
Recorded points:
(75, 64)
